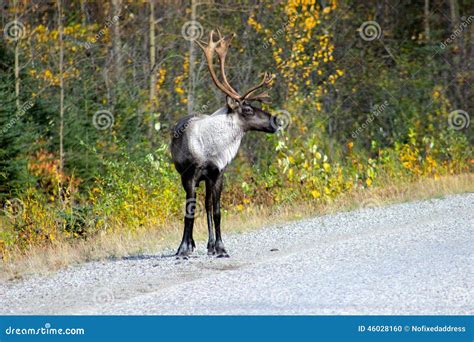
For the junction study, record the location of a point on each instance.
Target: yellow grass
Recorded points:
(153, 239)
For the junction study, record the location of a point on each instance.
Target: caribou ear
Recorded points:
(232, 104)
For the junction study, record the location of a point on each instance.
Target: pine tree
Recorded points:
(13, 161)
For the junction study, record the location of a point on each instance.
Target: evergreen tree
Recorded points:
(13, 161)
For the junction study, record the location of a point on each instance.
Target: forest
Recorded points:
(369, 93)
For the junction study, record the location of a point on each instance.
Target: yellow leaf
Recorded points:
(290, 173)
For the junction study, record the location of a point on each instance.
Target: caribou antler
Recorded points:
(221, 51)
(209, 52)
(221, 47)
(264, 97)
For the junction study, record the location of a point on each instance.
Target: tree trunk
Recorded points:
(83, 13)
(191, 76)
(61, 95)
(17, 65)
(117, 40)
(454, 11)
(152, 95)
(427, 20)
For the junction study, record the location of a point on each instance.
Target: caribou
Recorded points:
(203, 145)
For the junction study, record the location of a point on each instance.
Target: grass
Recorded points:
(43, 260)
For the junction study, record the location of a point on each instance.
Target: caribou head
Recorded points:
(203, 145)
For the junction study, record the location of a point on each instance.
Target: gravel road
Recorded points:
(410, 258)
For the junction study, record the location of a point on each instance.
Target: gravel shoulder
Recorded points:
(413, 259)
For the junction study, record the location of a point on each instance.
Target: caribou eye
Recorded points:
(247, 111)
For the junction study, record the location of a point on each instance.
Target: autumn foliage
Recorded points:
(358, 112)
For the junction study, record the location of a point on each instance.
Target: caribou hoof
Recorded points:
(211, 248)
(185, 249)
(220, 251)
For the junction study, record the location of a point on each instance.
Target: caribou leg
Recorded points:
(187, 243)
(216, 204)
(211, 243)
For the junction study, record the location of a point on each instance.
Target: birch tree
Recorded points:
(61, 91)
(152, 56)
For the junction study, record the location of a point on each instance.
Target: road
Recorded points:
(410, 258)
